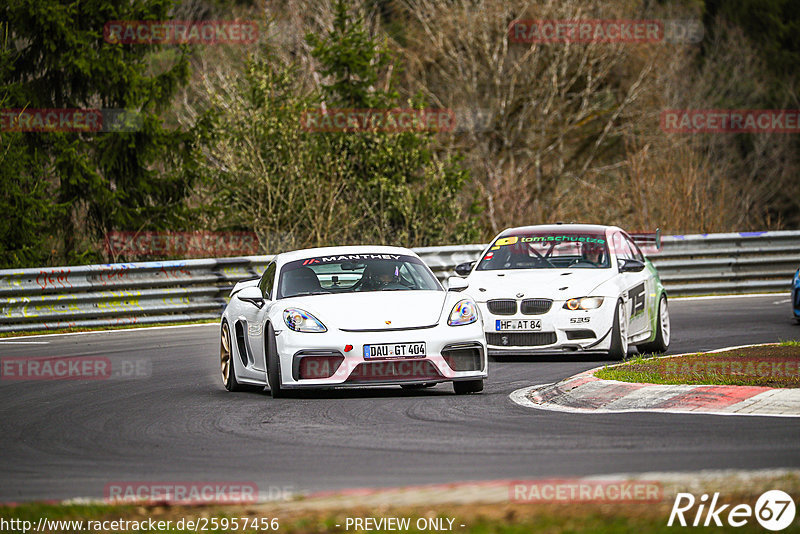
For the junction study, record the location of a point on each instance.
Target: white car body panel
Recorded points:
(357, 319)
(639, 291)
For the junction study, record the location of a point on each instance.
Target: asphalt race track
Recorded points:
(63, 439)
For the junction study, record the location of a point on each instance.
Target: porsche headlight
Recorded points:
(465, 312)
(583, 303)
(302, 321)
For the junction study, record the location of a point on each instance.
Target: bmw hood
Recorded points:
(375, 310)
(555, 284)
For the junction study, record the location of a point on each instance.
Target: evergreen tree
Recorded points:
(87, 183)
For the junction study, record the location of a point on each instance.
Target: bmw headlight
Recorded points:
(583, 303)
(302, 321)
(465, 312)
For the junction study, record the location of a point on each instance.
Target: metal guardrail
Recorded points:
(185, 290)
(743, 262)
(120, 293)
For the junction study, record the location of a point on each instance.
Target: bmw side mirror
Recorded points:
(252, 295)
(630, 266)
(456, 283)
(463, 269)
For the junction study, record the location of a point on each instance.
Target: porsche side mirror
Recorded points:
(456, 283)
(463, 269)
(630, 266)
(252, 295)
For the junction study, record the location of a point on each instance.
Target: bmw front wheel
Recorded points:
(661, 342)
(619, 334)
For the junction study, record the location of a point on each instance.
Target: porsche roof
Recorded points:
(340, 251)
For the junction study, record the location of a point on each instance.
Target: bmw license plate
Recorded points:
(527, 325)
(394, 350)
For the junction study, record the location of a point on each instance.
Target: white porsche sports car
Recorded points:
(350, 316)
(568, 288)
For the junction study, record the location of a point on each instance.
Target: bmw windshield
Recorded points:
(350, 273)
(547, 250)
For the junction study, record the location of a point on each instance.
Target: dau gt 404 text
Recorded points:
(568, 288)
(350, 316)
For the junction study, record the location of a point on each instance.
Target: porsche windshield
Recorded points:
(350, 273)
(551, 250)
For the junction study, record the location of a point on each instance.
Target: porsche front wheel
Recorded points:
(227, 369)
(273, 365)
(465, 387)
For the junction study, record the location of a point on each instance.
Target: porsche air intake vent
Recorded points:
(241, 342)
(313, 365)
(463, 357)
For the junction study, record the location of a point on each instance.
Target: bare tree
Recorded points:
(553, 113)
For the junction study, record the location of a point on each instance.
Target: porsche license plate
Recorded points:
(394, 350)
(526, 325)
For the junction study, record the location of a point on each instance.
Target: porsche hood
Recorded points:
(378, 310)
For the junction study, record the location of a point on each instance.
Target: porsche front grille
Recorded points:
(394, 370)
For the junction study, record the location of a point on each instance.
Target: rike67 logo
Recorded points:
(774, 510)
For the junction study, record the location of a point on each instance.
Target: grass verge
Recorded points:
(776, 366)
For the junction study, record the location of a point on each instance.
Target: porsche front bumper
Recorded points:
(447, 349)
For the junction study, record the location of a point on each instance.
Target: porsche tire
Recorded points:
(227, 367)
(466, 387)
(273, 366)
(417, 386)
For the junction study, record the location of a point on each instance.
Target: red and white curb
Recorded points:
(585, 393)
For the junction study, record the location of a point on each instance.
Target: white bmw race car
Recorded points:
(568, 288)
(350, 316)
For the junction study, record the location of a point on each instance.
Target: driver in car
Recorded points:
(593, 254)
(381, 275)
